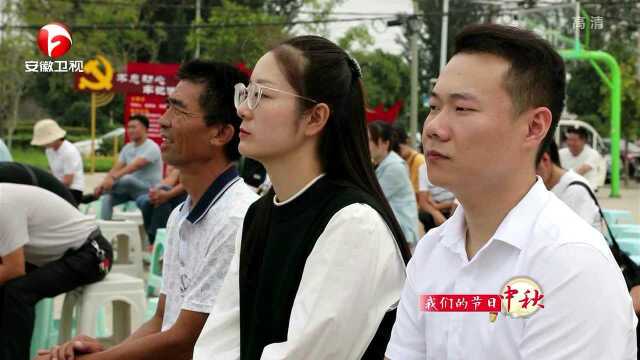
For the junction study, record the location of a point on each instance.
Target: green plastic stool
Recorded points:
(42, 327)
(129, 206)
(615, 216)
(152, 304)
(154, 280)
(626, 231)
(94, 207)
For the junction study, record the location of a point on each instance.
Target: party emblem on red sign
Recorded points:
(54, 40)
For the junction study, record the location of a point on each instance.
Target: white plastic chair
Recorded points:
(125, 293)
(127, 245)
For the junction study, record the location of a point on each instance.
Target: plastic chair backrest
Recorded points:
(154, 281)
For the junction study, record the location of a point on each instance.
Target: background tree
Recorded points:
(587, 96)
(232, 38)
(15, 48)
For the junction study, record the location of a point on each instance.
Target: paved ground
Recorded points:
(629, 199)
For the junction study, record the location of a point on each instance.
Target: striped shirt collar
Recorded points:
(215, 191)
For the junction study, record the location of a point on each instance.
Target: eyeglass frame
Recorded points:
(260, 87)
(172, 106)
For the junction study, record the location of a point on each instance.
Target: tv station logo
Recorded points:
(54, 41)
(520, 297)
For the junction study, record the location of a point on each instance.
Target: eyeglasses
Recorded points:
(175, 112)
(252, 94)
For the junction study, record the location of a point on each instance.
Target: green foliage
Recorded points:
(54, 91)
(356, 36)
(239, 42)
(32, 156)
(587, 95)
(385, 77)
(321, 10)
(227, 37)
(36, 157)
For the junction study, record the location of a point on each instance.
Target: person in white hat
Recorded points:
(64, 158)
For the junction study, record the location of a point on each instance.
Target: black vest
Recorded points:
(276, 242)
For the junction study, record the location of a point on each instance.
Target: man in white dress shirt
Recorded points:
(580, 157)
(495, 103)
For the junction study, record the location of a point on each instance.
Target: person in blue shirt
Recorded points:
(5, 155)
(393, 176)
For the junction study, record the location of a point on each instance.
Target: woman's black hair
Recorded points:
(319, 69)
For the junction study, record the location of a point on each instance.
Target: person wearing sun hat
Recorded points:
(64, 158)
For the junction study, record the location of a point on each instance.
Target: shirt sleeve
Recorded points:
(210, 275)
(220, 336)
(593, 159)
(592, 316)
(423, 183)
(123, 153)
(408, 335)
(392, 180)
(14, 230)
(579, 200)
(347, 287)
(5, 155)
(150, 151)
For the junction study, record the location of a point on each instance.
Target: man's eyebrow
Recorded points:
(456, 96)
(463, 96)
(175, 102)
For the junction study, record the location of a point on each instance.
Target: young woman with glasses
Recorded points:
(320, 262)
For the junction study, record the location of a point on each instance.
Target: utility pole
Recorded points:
(198, 19)
(444, 34)
(412, 26)
(413, 120)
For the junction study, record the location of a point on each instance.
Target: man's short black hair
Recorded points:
(537, 73)
(142, 119)
(216, 100)
(580, 131)
(552, 149)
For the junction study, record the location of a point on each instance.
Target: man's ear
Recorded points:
(539, 123)
(222, 135)
(316, 119)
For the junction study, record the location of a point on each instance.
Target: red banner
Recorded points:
(379, 113)
(147, 86)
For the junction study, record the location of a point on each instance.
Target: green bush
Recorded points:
(36, 157)
(106, 147)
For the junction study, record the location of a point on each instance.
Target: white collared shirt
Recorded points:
(577, 198)
(200, 246)
(345, 290)
(587, 310)
(588, 156)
